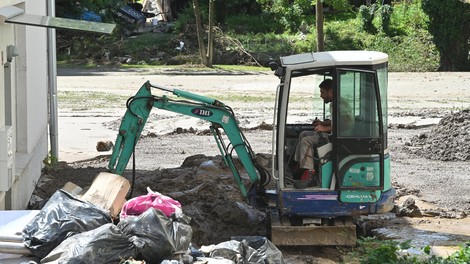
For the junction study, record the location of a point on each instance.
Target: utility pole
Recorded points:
(319, 25)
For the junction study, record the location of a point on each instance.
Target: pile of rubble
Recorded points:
(449, 140)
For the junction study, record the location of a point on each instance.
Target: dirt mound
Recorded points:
(203, 185)
(449, 140)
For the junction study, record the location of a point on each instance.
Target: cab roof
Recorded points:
(334, 58)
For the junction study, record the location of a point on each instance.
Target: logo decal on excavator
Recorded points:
(201, 112)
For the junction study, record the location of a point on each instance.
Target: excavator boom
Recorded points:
(219, 115)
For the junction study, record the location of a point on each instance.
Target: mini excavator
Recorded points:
(352, 166)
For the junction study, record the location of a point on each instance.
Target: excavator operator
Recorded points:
(310, 139)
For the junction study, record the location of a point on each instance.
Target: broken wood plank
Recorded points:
(72, 188)
(108, 191)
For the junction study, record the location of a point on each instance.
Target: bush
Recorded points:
(263, 23)
(366, 15)
(372, 251)
(263, 47)
(386, 15)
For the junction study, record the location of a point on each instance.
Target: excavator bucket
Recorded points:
(341, 233)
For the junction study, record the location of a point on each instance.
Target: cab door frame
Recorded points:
(357, 148)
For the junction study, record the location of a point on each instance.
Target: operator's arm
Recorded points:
(322, 126)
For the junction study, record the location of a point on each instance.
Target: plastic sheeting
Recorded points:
(265, 248)
(158, 235)
(61, 217)
(251, 249)
(151, 237)
(105, 244)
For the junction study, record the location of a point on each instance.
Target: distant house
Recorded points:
(26, 79)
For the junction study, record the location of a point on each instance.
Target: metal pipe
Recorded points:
(14, 248)
(11, 238)
(52, 73)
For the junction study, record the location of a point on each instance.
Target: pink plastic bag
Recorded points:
(140, 204)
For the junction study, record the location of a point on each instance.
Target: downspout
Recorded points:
(52, 87)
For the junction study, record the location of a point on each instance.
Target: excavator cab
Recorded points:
(350, 175)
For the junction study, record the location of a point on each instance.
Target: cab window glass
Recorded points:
(357, 105)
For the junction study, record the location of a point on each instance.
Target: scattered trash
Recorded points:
(154, 229)
(409, 208)
(62, 216)
(253, 249)
(140, 204)
(180, 47)
(156, 235)
(105, 244)
(90, 16)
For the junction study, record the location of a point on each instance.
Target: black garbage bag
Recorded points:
(158, 235)
(238, 252)
(248, 249)
(63, 216)
(105, 244)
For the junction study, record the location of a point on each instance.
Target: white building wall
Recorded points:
(7, 38)
(30, 103)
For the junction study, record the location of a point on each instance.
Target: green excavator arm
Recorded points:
(218, 114)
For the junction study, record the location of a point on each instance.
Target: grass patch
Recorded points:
(242, 98)
(242, 68)
(261, 98)
(85, 100)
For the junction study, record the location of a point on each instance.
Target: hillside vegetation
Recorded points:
(256, 39)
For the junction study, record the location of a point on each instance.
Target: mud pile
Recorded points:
(449, 140)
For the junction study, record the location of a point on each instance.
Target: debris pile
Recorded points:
(210, 207)
(408, 208)
(449, 140)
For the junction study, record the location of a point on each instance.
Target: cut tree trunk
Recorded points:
(200, 32)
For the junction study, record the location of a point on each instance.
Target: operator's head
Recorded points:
(326, 90)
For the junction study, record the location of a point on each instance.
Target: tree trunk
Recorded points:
(200, 32)
(319, 24)
(210, 39)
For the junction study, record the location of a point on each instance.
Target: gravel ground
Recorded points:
(417, 103)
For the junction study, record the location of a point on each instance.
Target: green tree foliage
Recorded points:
(292, 13)
(449, 23)
(386, 15)
(367, 14)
